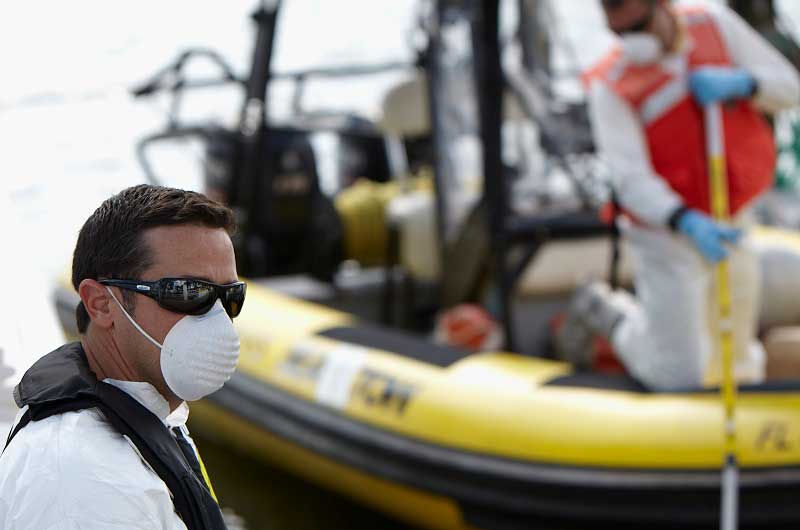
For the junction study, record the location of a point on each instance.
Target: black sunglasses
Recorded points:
(638, 26)
(187, 295)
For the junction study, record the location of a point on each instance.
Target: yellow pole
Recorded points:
(715, 148)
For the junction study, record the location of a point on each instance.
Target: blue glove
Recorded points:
(710, 84)
(707, 236)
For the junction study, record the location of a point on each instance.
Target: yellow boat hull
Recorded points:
(495, 440)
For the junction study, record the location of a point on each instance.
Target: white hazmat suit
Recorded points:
(74, 471)
(664, 339)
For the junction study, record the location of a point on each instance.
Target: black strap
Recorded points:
(23, 421)
(188, 453)
(190, 494)
(616, 253)
(56, 408)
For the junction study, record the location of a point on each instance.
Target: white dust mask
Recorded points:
(641, 47)
(199, 353)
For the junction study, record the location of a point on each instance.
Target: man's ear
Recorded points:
(98, 303)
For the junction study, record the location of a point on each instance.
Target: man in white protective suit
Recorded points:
(100, 441)
(646, 104)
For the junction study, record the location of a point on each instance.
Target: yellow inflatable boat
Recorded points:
(449, 440)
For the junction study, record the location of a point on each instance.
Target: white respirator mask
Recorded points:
(641, 47)
(199, 353)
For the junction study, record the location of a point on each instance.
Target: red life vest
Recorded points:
(673, 121)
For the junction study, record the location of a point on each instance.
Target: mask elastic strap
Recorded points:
(143, 332)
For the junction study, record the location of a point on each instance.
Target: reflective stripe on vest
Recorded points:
(663, 100)
(707, 48)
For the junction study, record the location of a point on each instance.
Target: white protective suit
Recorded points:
(74, 471)
(665, 339)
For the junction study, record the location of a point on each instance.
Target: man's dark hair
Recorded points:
(110, 243)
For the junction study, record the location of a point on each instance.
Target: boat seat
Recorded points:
(397, 342)
(616, 382)
(625, 383)
(404, 109)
